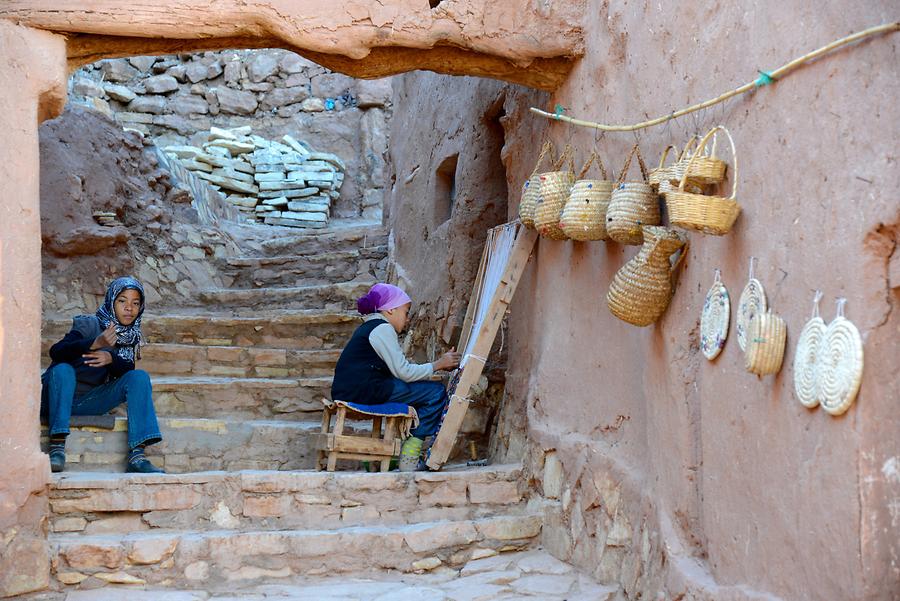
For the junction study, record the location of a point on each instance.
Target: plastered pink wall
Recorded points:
(32, 75)
(745, 493)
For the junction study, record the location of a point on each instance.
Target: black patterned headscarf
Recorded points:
(129, 338)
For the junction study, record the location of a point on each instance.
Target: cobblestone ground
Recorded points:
(523, 575)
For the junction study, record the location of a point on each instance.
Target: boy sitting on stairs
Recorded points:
(93, 372)
(372, 368)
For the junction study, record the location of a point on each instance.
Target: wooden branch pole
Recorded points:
(459, 404)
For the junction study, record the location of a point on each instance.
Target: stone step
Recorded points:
(89, 504)
(332, 239)
(184, 557)
(291, 329)
(306, 270)
(250, 398)
(160, 359)
(336, 297)
(200, 444)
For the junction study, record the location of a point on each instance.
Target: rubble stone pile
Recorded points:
(274, 182)
(177, 99)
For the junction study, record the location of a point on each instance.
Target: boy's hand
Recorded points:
(97, 358)
(449, 360)
(106, 339)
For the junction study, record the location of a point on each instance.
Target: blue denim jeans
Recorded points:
(133, 388)
(428, 399)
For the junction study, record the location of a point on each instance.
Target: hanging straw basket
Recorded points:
(641, 290)
(555, 188)
(676, 171)
(532, 188)
(663, 172)
(765, 344)
(632, 205)
(584, 216)
(708, 214)
(702, 169)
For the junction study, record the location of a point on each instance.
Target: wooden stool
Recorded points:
(334, 444)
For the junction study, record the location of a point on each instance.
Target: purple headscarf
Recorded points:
(382, 297)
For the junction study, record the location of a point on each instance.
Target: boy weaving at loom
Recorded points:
(373, 370)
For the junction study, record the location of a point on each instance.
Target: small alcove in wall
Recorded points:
(445, 189)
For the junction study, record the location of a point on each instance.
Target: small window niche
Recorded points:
(445, 189)
(434, 3)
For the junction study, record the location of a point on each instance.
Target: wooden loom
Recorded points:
(489, 300)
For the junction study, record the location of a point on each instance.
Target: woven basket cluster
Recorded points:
(641, 290)
(709, 214)
(584, 216)
(632, 205)
(555, 187)
(765, 344)
(532, 188)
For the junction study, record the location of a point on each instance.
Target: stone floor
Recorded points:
(507, 576)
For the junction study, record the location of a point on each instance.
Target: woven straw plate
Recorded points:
(766, 339)
(807, 358)
(841, 365)
(714, 319)
(751, 303)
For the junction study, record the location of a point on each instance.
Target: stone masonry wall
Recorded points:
(177, 98)
(677, 477)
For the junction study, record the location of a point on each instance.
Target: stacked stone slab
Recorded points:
(278, 183)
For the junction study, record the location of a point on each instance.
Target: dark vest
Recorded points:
(361, 376)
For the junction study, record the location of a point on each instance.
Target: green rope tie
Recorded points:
(764, 79)
(558, 110)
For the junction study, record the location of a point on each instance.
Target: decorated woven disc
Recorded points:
(751, 304)
(806, 362)
(841, 366)
(714, 320)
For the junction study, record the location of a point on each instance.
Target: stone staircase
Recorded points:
(236, 384)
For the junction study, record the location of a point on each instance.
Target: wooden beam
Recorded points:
(471, 372)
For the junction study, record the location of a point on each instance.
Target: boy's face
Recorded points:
(127, 306)
(398, 317)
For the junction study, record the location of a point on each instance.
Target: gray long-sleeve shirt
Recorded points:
(386, 343)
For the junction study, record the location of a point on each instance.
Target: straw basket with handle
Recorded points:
(662, 173)
(706, 168)
(708, 214)
(680, 166)
(584, 216)
(555, 187)
(641, 290)
(532, 188)
(632, 205)
(765, 344)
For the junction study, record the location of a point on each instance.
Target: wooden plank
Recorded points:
(459, 405)
(358, 444)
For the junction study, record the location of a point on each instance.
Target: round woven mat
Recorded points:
(840, 367)
(806, 362)
(751, 304)
(714, 320)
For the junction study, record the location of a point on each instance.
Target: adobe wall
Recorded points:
(673, 475)
(34, 66)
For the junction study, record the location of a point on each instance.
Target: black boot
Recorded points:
(139, 464)
(57, 455)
